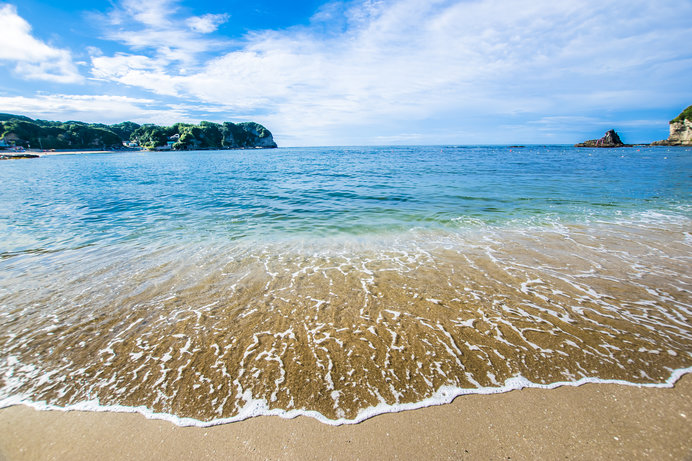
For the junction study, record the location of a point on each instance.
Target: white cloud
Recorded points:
(163, 47)
(96, 108)
(34, 59)
(135, 70)
(153, 13)
(392, 65)
(158, 25)
(206, 24)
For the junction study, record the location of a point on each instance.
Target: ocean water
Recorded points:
(340, 283)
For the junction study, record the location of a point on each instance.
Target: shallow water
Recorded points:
(218, 285)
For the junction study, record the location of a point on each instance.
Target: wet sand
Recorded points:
(594, 421)
(208, 332)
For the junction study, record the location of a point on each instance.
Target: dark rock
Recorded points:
(610, 139)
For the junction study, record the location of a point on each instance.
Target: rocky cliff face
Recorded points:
(680, 135)
(610, 139)
(248, 134)
(680, 130)
(259, 134)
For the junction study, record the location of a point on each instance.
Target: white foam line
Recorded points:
(256, 407)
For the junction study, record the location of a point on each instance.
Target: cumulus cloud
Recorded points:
(33, 59)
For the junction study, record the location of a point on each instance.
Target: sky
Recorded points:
(359, 72)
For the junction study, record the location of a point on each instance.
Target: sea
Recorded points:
(340, 282)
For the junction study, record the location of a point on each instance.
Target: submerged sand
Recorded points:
(223, 333)
(594, 421)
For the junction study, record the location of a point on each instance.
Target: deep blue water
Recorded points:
(70, 201)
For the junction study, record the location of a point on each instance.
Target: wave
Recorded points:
(343, 329)
(255, 407)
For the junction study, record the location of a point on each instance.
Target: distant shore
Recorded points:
(593, 421)
(46, 153)
(42, 153)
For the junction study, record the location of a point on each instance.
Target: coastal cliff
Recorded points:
(680, 130)
(18, 131)
(610, 139)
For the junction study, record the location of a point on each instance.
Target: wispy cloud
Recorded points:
(136, 70)
(207, 23)
(96, 108)
(367, 71)
(365, 64)
(165, 44)
(159, 26)
(33, 59)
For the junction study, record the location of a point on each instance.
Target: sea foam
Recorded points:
(259, 407)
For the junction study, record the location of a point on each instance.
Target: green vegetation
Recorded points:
(684, 115)
(40, 134)
(124, 129)
(5, 117)
(22, 131)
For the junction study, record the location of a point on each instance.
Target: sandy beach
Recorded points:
(217, 286)
(594, 421)
(70, 152)
(351, 230)
(45, 153)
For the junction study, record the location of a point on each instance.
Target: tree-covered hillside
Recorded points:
(41, 134)
(206, 135)
(684, 115)
(19, 130)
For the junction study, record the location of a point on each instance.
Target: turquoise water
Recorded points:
(339, 283)
(71, 201)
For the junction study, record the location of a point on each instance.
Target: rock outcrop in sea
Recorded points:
(610, 139)
(680, 130)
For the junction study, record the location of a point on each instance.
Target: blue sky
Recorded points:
(356, 72)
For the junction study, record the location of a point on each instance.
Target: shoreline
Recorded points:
(117, 359)
(45, 153)
(586, 422)
(135, 291)
(42, 153)
(258, 408)
(72, 152)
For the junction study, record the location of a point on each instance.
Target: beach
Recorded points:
(336, 285)
(345, 230)
(46, 153)
(593, 421)
(18, 155)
